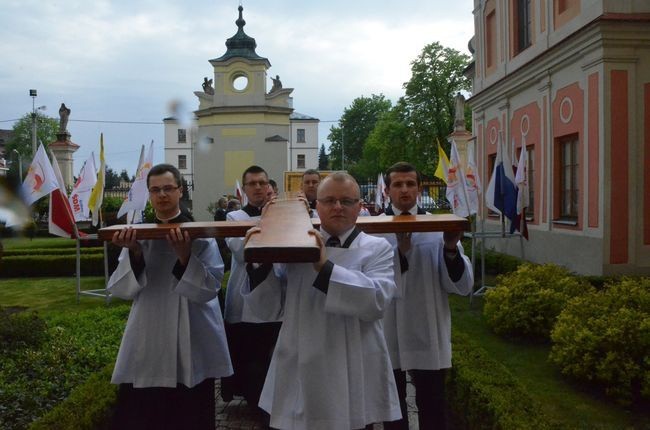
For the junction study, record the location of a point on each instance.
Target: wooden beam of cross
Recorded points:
(283, 237)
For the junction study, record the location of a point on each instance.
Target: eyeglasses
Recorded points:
(256, 183)
(167, 189)
(345, 202)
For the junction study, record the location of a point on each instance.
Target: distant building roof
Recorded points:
(301, 116)
(241, 44)
(276, 138)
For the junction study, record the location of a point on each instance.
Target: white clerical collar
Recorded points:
(342, 238)
(166, 220)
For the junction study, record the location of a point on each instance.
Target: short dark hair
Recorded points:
(310, 172)
(253, 169)
(402, 167)
(161, 169)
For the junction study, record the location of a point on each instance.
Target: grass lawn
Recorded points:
(47, 295)
(564, 401)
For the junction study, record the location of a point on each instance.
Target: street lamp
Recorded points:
(33, 93)
(20, 164)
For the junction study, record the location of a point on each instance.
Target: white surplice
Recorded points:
(330, 368)
(235, 310)
(175, 331)
(417, 323)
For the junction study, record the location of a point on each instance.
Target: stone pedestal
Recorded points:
(63, 149)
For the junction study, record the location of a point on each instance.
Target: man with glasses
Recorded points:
(174, 343)
(330, 368)
(417, 325)
(250, 339)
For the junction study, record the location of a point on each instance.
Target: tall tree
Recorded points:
(46, 129)
(348, 138)
(111, 179)
(323, 159)
(436, 77)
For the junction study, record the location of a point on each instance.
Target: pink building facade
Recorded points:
(569, 82)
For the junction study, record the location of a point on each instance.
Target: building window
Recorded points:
(523, 25)
(300, 161)
(568, 148)
(182, 162)
(182, 135)
(490, 40)
(301, 135)
(530, 211)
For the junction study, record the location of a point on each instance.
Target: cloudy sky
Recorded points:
(119, 63)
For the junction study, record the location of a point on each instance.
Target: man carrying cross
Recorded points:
(330, 368)
(417, 325)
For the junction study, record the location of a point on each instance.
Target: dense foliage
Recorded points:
(60, 353)
(526, 302)
(604, 338)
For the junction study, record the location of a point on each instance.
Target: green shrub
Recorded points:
(526, 303)
(483, 394)
(90, 406)
(35, 379)
(52, 251)
(20, 330)
(51, 265)
(603, 338)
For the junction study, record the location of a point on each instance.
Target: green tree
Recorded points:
(111, 179)
(355, 125)
(124, 176)
(436, 77)
(323, 159)
(46, 129)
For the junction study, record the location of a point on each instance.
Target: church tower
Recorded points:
(240, 123)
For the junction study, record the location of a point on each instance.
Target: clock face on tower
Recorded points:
(239, 81)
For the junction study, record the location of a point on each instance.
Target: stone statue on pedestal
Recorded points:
(207, 86)
(64, 114)
(277, 84)
(459, 114)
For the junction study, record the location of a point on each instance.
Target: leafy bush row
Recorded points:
(483, 394)
(51, 251)
(526, 302)
(604, 338)
(37, 375)
(50, 265)
(90, 406)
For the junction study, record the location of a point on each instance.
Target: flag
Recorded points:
(40, 179)
(97, 195)
(136, 200)
(501, 193)
(240, 194)
(380, 193)
(456, 193)
(60, 220)
(472, 181)
(443, 164)
(521, 180)
(82, 189)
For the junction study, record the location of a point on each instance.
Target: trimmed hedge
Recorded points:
(603, 338)
(51, 251)
(526, 303)
(483, 394)
(36, 377)
(50, 265)
(90, 406)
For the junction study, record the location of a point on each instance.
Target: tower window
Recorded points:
(182, 161)
(300, 161)
(301, 135)
(182, 135)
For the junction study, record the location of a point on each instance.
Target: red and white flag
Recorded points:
(240, 194)
(82, 189)
(60, 218)
(40, 179)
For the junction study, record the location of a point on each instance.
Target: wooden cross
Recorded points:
(283, 237)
